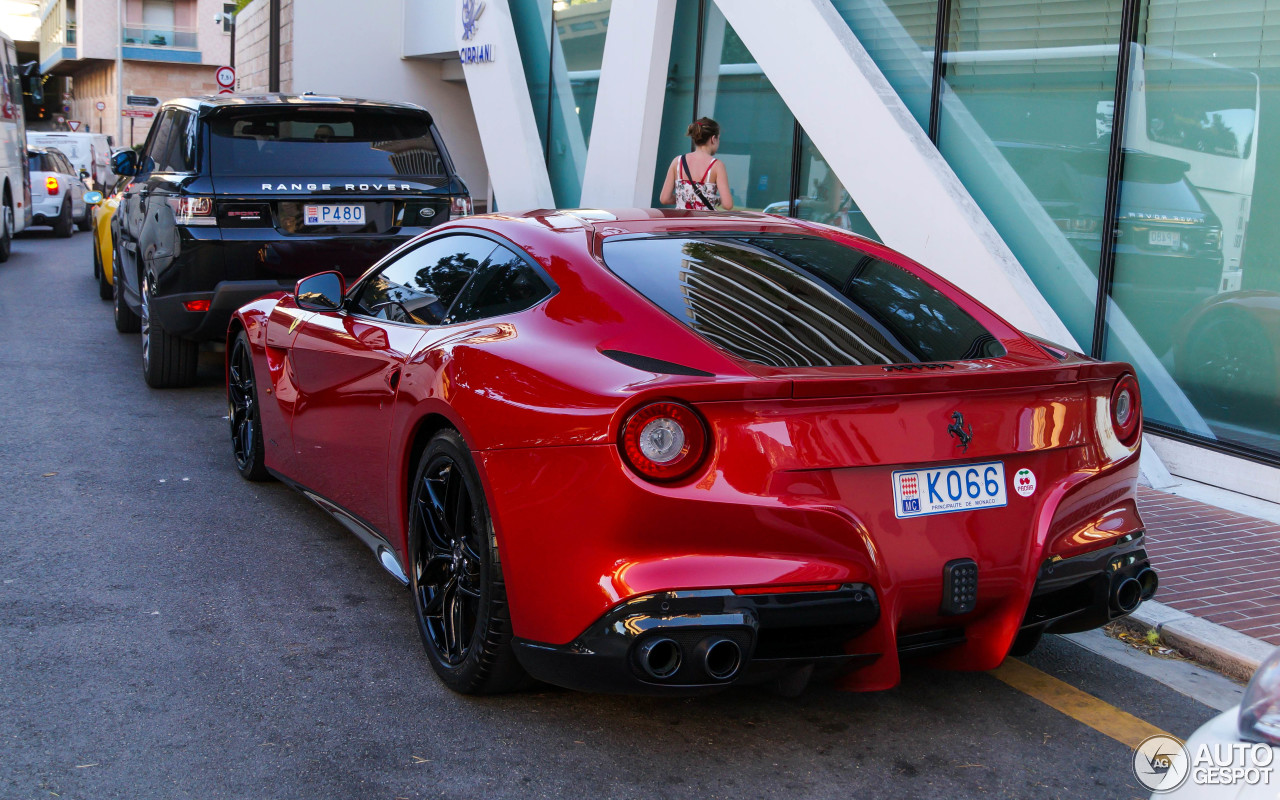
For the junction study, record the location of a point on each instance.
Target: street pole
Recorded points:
(120, 76)
(233, 40)
(273, 46)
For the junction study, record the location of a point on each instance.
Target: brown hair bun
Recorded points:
(701, 130)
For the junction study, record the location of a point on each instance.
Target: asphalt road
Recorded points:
(170, 630)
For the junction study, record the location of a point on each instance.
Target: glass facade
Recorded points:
(1150, 233)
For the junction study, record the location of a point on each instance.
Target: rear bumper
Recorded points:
(1080, 593)
(762, 637)
(210, 325)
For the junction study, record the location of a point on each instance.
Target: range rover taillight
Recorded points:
(664, 441)
(193, 210)
(1126, 409)
(460, 206)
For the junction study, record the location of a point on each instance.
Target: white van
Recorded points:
(15, 181)
(89, 153)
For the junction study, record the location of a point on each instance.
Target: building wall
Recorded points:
(96, 82)
(252, 28)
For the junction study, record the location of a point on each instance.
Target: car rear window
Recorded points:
(799, 301)
(325, 142)
(37, 163)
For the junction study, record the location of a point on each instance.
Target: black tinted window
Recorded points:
(419, 286)
(799, 301)
(180, 154)
(321, 142)
(504, 285)
(158, 147)
(37, 163)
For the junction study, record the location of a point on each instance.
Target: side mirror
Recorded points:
(93, 198)
(124, 162)
(322, 292)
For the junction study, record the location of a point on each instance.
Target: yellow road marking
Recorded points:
(1081, 706)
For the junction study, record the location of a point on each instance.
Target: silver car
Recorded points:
(57, 192)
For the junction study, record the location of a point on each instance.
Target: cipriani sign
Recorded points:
(475, 54)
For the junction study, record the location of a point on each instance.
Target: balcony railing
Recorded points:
(145, 36)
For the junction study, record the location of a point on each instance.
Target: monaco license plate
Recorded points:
(968, 487)
(1165, 238)
(333, 214)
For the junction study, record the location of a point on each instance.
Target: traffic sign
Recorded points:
(59, 119)
(225, 91)
(101, 106)
(141, 100)
(73, 124)
(140, 113)
(226, 77)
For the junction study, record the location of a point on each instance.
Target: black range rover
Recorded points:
(233, 197)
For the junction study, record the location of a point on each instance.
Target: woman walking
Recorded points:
(685, 191)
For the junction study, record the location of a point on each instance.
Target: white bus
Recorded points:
(1204, 114)
(15, 179)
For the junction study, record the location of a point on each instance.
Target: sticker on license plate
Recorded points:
(968, 487)
(1165, 238)
(331, 214)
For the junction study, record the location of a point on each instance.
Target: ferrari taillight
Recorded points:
(51, 185)
(1126, 409)
(664, 441)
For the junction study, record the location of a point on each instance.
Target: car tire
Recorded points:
(126, 320)
(242, 411)
(168, 361)
(105, 289)
(85, 222)
(455, 575)
(63, 226)
(6, 233)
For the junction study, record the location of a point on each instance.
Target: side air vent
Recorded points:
(655, 364)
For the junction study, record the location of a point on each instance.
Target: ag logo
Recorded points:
(1024, 482)
(1160, 763)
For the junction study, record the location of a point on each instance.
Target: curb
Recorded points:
(1230, 652)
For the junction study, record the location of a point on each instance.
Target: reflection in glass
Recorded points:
(419, 287)
(1020, 124)
(1196, 283)
(799, 302)
(823, 197)
(756, 127)
(899, 36)
(576, 55)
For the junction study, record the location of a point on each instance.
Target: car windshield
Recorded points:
(325, 142)
(799, 301)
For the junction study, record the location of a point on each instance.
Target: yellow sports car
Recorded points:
(103, 247)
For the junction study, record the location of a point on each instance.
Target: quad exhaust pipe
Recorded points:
(1128, 592)
(660, 658)
(720, 657)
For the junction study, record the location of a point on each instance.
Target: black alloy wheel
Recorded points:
(64, 226)
(456, 579)
(6, 232)
(104, 286)
(1229, 370)
(126, 320)
(242, 411)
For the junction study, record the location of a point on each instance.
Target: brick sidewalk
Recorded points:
(1215, 564)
